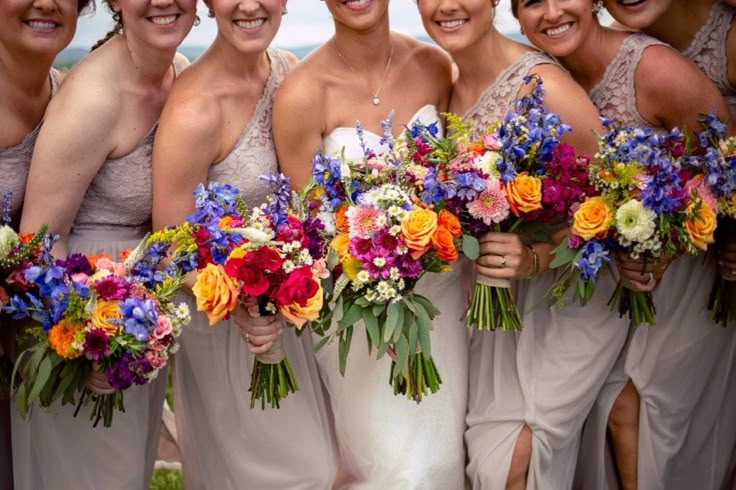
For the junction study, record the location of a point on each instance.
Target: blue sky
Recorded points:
(308, 22)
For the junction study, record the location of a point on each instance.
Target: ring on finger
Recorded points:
(503, 262)
(247, 338)
(651, 278)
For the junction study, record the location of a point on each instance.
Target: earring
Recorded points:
(597, 6)
(211, 13)
(284, 11)
(118, 19)
(496, 3)
(197, 20)
(521, 31)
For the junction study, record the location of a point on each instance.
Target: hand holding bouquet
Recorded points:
(268, 253)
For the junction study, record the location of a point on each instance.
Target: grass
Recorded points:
(166, 480)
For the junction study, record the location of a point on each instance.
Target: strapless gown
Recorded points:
(387, 441)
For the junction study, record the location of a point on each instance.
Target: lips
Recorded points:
(452, 24)
(42, 24)
(558, 30)
(163, 20)
(631, 3)
(356, 4)
(249, 23)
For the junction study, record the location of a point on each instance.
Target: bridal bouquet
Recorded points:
(385, 239)
(515, 177)
(269, 253)
(650, 205)
(95, 314)
(718, 164)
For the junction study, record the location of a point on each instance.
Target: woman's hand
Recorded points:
(504, 256)
(643, 274)
(97, 381)
(259, 332)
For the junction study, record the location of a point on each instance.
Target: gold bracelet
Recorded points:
(535, 261)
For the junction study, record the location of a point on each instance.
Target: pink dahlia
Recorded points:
(491, 206)
(362, 221)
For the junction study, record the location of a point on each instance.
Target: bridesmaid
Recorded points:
(649, 398)
(702, 31)
(362, 73)
(32, 33)
(529, 391)
(216, 126)
(90, 181)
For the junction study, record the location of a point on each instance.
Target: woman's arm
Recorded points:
(75, 140)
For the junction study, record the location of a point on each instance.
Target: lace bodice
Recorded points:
(499, 98)
(346, 139)
(615, 94)
(16, 160)
(120, 195)
(708, 50)
(254, 154)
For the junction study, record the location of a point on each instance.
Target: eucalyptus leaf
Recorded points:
(563, 255)
(44, 371)
(471, 247)
(392, 321)
(371, 326)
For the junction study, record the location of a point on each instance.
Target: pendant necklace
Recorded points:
(376, 100)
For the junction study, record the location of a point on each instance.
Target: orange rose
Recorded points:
(444, 244)
(341, 220)
(592, 219)
(216, 293)
(106, 316)
(448, 220)
(341, 244)
(417, 230)
(701, 227)
(299, 315)
(525, 193)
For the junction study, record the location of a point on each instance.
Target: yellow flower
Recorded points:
(216, 293)
(341, 244)
(351, 267)
(105, 315)
(417, 230)
(299, 315)
(524, 193)
(592, 219)
(701, 226)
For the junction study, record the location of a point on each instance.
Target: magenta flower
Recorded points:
(111, 287)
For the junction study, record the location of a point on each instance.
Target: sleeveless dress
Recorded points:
(387, 441)
(226, 445)
(702, 448)
(669, 363)
(14, 164)
(547, 375)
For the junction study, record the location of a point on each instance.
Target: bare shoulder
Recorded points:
(664, 70)
(191, 109)
(290, 57)
(181, 62)
(555, 79)
(427, 55)
(303, 91)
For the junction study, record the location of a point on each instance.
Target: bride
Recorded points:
(362, 73)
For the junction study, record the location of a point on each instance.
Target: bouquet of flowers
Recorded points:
(384, 239)
(650, 205)
(270, 253)
(516, 177)
(95, 314)
(718, 164)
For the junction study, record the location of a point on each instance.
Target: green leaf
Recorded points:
(363, 302)
(471, 247)
(402, 355)
(344, 348)
(332, 258)
(432, 310)
(22, 400)
(378, 310)
(563, 255)
(424, 325)
(322, 343)
(354, 313)
(44, 371)
(413, 336)
(371, 326)
(393, 310)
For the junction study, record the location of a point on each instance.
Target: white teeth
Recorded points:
(556, 31)
(162, 21)
(39, 24)
(356, 3)
(249, 24)
(449, 24)
(631, 2)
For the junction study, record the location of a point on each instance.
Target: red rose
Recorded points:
(267, 258)
(298, 288)
(254, 282)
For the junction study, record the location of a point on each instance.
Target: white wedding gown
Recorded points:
(387, 441)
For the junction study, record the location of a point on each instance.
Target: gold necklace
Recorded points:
(376, 100)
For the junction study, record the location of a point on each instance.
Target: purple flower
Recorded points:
(76, 263)
(118, 372)
(96, 345)
(111, 287)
